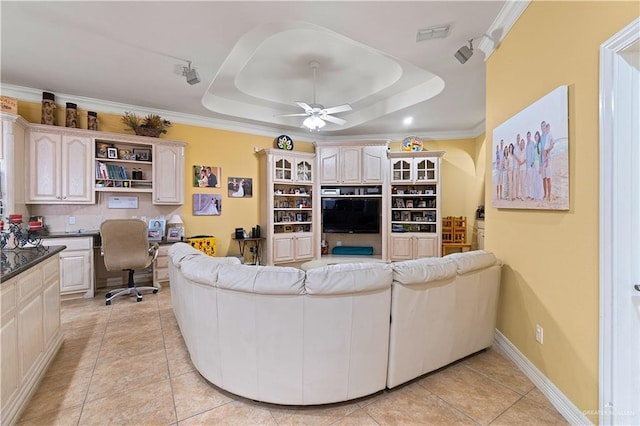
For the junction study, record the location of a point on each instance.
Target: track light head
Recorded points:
(465, 52)
(191, 74)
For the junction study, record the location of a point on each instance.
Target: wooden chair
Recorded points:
(454, 234)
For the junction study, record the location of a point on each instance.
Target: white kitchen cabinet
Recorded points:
(415, 204)
(30, 334)
(168, 174)
(76, 266)
(286, 205)
(353, 162)
(12, 165)
(60, 168)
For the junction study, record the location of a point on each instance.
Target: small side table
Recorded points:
(255, 247)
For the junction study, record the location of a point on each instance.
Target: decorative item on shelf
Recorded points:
(284, 142)
(102, 149)
(71, 115)
(412, 143)
(92, 120)
(48, 108)
(152, 125)
(9, 105)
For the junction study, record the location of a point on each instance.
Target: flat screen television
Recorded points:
(351, 215)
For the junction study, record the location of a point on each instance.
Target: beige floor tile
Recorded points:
(414, 405)
(194, 395)
(180, 364)
(312, 415)
(118, 375)
(470, 392)
(72, 318)
(73, 358)
(538, 397)
(58, 392)
(232, 413)
(131, 346)
(356, 418)
(139, 312)
(526, 412)
(63, 417)
(495, 365)
(146, 405)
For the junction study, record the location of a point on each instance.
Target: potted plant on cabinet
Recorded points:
(151, 125)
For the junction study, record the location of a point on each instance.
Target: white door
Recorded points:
(620, 228)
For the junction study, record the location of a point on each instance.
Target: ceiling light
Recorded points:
(190, 74)
(407, 121)
(438, 31)
(313, 122)
(465, 52)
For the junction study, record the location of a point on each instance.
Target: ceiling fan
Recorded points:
(317, 114)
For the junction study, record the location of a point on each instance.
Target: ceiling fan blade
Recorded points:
(304, 106)
(302, 114)
(331, 119)
(336, 109)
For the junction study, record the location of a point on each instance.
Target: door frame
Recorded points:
(614, 139)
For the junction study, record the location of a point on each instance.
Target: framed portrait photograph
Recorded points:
(156, 229)
(142, 154)
(406, 216)
(240, 187)
(409, 204)
(175, 233)
(207, 205)
(112, 153)
(399, 203)
(207, 176)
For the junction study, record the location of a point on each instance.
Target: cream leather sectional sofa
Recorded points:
(332, 333)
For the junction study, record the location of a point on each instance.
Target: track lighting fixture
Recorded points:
(190, 74)
(465, 52)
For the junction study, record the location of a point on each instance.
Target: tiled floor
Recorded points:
(127, 364)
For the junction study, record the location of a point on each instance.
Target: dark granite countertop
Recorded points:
(16, 261)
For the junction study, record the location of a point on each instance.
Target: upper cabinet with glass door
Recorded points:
(288, 168)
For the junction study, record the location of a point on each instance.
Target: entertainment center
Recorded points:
(355, 197)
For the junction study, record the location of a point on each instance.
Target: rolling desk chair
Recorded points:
(125, 247)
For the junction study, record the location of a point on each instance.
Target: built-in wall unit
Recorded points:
(287, 207)
(415, 204)
(353, 184)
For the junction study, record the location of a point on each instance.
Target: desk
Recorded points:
(255, 247)
(455, 247)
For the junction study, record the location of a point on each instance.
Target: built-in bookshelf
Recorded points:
(123, 167)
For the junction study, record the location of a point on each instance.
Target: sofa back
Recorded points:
(279, 335)
(442, 309)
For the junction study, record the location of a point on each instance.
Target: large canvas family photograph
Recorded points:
(530, 156)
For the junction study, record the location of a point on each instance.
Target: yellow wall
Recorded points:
(550, 275)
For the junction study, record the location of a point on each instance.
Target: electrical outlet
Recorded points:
(539, 334)
(72, 220)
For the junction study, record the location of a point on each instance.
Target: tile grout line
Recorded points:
(453, 407)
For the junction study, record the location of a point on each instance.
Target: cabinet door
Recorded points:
(75, 270)
(44, 167)
(304, 170)
(9, 358)
(426, 246)
(168, 174)
(401, 170)
(350, 164)
(283, 169)
(283, 248)
(373, 160)
(425, 169)
(304, 246)
(76, 171)
(30, 333)
(329, 165)
(401, 247)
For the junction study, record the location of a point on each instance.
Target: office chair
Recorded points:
(125, 247)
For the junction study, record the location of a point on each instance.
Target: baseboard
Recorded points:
(564, 406)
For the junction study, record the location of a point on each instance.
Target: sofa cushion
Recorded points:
(472, 260)
(181, 251)
(204, 269)
(348, 278)
(423, 270)
(262, 279)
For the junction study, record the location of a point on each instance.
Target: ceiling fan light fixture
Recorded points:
(313, 122)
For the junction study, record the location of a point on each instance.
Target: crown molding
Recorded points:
(507, 17)
(91, 104)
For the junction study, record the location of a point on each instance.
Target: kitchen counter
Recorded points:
(94, 234)
(16, 261)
